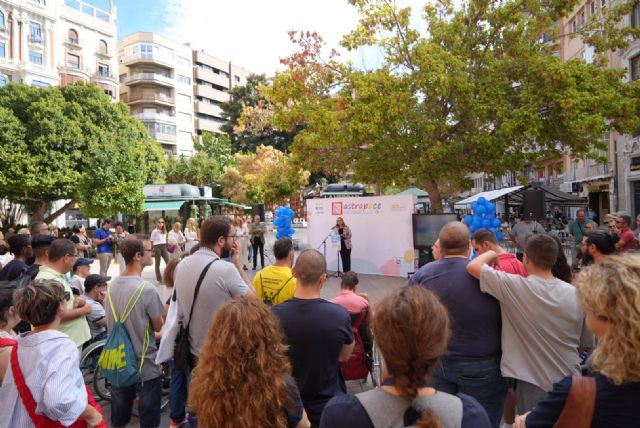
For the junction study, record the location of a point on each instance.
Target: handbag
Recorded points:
(169, 332)
(171, 248)
(580, 404)
(41, 421)
(182, 349)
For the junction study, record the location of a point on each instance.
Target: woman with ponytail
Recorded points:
(411, 329)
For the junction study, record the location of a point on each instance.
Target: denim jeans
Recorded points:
(150, 395)
(178, 391)
(481, 380)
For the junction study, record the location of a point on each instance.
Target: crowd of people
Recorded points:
(477, 338)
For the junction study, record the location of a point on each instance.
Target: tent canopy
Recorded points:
(514, 194)
(163, 205)
(414, 191)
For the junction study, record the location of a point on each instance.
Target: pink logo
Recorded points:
(336, 208)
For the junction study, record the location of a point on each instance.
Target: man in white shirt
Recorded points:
(81, 270)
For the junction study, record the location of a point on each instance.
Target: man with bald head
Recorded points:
(318, 333)
(471, 364)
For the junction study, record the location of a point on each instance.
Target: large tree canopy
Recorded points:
(73, 143)
(478, 91)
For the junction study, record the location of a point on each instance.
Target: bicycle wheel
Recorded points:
(376, 372)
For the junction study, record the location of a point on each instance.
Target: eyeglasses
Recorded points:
(73, 254)
(231, 237)
(148, 250)
(67, 296)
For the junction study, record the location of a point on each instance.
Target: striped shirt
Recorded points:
(50, 366)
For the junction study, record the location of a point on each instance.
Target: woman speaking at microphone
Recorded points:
(345, 244)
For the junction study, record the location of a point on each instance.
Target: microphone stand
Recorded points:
(323, 244)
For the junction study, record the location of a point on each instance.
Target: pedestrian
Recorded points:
(344, 232)
(318, 333)
(608, 292)
(522, 231)
(275, 284)
(484, 240)
(103, 239)
(130, 293)
(95, 290)
(542, 322)
(221, 281)
(191, 234)
(38, 228)
(242, 236)
(577, 229)
(176, 241)
(9, 317)
(82, 241)
(62, 255)
(47, 362)
(120, 235)
(471, 363)
(20, 247)
(81, 270)
(598, 245)
(159, 240)
(410, 355)
(256, 231)
(627, 240)
(243, 378)
(40, 245)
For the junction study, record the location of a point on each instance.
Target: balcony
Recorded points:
(139, 98)
(35, 38)
(208, 125)
(83, 73)
(73, 42)
(4, 31)
(155, 117)
(110, 79)
(148, 58)
(209, 92)
(139, 78)
(209, 76)
(209, 109)
(103, 53)
(162, 137)
(87, 9)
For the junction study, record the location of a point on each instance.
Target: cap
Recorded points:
(42, 241)
(82, 262)
(95, 279)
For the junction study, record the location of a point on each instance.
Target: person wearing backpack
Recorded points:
(275, 284)
(412, 329)
(135, 304)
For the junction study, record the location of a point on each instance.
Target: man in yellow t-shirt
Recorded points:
(275, 284)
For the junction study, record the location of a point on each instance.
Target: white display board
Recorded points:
(381, 227)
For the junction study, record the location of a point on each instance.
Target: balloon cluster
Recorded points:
(483, 217)
(282, 222)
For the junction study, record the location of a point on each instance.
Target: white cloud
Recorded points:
(253, 33)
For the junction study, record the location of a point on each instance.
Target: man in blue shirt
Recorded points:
(103, 240)
(471, 364)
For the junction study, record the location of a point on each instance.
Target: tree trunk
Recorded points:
(431, 187)
(40, 211)
(60, 211)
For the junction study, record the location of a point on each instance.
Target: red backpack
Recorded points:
(356, 366)
(40, 421)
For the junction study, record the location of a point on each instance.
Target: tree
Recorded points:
(247, 100)
(479, 91)
(73, 143)
(267, 176)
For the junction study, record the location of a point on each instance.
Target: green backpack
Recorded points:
(117, 360)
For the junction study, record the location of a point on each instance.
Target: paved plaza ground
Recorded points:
(376, 286)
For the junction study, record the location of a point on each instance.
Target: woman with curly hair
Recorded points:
(609, 292)
(411, 328)
(242, 378)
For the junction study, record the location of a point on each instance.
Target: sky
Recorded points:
(250, 33)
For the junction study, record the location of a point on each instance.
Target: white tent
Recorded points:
(489, 196)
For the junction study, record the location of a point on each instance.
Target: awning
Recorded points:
(233, 204)
(163, 205)
(414, 191)
(489, 196)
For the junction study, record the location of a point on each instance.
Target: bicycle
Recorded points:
(93, 376)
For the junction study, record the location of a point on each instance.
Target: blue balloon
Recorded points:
(472, 228)
(477, 223)
(474, 204)
(495, 222)
(489, 216)
(468, 219)
(486, 224)
(490, 206)
(499, 236)
(481, 200)
(493, 229)
(480, 209)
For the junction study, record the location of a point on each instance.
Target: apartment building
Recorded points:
(156, 82)
(47, 43)
(212, 80)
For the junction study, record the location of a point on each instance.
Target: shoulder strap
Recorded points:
(360, 319)
(581, 401)
(195, 293)
(131, 303)
(281, 288)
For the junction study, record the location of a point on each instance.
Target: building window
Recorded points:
(39, 84)
(184, 80)
(592, 7)
(184, 61)
(237, 78)
(73, 61)
(573, 26)
(73, 36)
(35, 32)
(635, 15)
(581, 20)
(184, 99)
(634, 64)
(2, 23)
(603, 3)
(35, 57)
(103, 70)
(103, 48)
(3, 53)
(186, 117)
